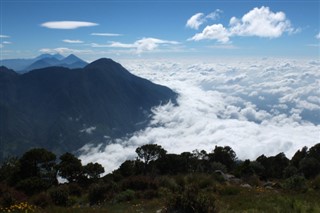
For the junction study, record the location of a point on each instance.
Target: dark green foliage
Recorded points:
(150, 152)
(97, 193)
(224, 155)
(139, 183)
(32, 185)
(9, 171)
(191, 200)
(314, 152)
(70, 167)
(315, 184)
(93, 170)
(296, 183)
(273, 166)
(59, 195)
(298, 156)
(129, 168)
(42, 200)
(38, 163)
(290, 171)
(126, 195)
(310, 167)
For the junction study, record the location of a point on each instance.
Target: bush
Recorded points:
(139, 183)
(296, 183)
(315, 184)
(42, 200)
(229, 190)
(74, 189)
(125, 196)
(59, 195)
(97, 193)
(191, 201)
(290, 171)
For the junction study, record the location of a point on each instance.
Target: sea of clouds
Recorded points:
(256, 106)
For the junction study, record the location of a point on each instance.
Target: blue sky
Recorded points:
(144, 29)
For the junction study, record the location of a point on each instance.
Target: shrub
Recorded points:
(315, 184)
(290, 171)
(42, 200)
(97, 193)
(191, 201)
(229, 190)
(139, 183)
(74, 189)
(59, 195)
(296, 183)
(125, 196)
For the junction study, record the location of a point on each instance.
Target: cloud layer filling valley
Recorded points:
(256, 106)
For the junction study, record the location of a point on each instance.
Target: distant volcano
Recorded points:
(62, 109)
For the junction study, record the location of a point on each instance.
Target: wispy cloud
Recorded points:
(140, 46)
(72, 41)
(224, 46)
(106, 34)
(318, 36)
(67, 24)
(195, 21)
(65, 50)
(1, 45)
(7, 42)
(260, 22)
(4, 36)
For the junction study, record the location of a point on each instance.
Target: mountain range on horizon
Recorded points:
(42, 61)
(63, 109)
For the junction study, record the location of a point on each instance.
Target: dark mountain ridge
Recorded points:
(62, 109)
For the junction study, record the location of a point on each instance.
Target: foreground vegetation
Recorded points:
(160, 182)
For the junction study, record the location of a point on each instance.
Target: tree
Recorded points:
(298, 156)
(310, 167)
(70, 167)
(39, 163)
(315, 152)
(224, 155)
(93, 170)
(150, 152)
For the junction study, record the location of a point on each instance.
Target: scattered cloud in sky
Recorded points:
(213, 32)
(195, 21)
(65, 50)
(106, 34)
(139, 46)
(318, 36)
(224, 46)
(67, 24)
(1, 45)
(260, 22)
(4, 36)
(7, 42)
(266, 105)
(72, 41)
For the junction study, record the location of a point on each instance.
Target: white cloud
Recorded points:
(67, 24)
(318, 36)
(4, 36)
(220, 104)
(64, 50)
(140, 46)
(195, 21)
(72, 41)
(215, 15)
(224, 46)
(106, 34)
(7, 42)
(213, 32)
(260, 22)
